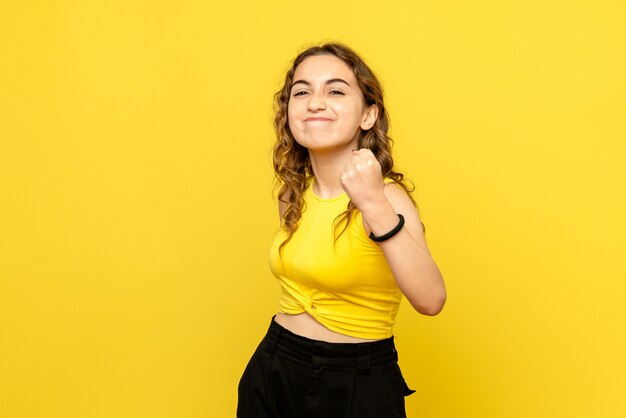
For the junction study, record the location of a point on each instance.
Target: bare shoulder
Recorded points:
(403, 205)
(397, 196)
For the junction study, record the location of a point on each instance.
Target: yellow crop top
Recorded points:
(348, 288)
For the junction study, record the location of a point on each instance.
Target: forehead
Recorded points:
(324, 67)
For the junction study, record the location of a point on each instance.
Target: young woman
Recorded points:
(351, 243)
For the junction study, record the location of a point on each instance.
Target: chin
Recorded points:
(323, 144)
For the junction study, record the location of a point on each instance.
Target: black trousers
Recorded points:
(290, 376)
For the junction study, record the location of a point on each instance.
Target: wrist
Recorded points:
(391, 233)
(380, 218)
(375, 206)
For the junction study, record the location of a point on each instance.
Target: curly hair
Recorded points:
(292, 166)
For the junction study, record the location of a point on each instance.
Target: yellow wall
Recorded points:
(136, 208)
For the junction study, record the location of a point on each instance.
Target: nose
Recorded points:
(316, 102)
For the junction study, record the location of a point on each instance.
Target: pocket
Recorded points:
(254, 399)
(406, 391)
(254, 378)
(397, 390)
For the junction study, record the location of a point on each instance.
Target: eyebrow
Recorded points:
(332, 80)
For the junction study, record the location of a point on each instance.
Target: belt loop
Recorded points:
(364, 360)
(316, 359)
(395, 353)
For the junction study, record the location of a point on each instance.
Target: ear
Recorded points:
(369, 117)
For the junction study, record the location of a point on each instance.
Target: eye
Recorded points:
(300, 93)
(337, 93)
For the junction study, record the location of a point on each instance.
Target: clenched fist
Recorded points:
(362, 178)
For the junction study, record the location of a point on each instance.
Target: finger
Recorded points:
(363, 160)
(354, 158)
(367, 154)
(368, 157)
(349, 168)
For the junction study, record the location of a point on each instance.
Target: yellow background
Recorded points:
(136, 207)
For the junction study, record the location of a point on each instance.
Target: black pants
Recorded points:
(290, 376)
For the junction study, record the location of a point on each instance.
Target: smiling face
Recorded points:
(326, 107)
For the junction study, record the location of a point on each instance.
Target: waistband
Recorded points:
(322, 353)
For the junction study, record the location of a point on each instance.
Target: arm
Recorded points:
(407, 254)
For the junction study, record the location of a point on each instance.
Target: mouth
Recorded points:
(317, 120)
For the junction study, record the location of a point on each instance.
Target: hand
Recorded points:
(362, 178)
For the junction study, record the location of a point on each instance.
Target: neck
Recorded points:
(327, 168)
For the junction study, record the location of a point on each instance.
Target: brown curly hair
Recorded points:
(292, 166)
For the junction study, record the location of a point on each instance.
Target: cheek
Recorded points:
(351, 113)
(293, 123)
(291, 114)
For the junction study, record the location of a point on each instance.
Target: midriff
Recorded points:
(306, 326)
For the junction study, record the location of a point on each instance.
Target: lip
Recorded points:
(317, 120)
